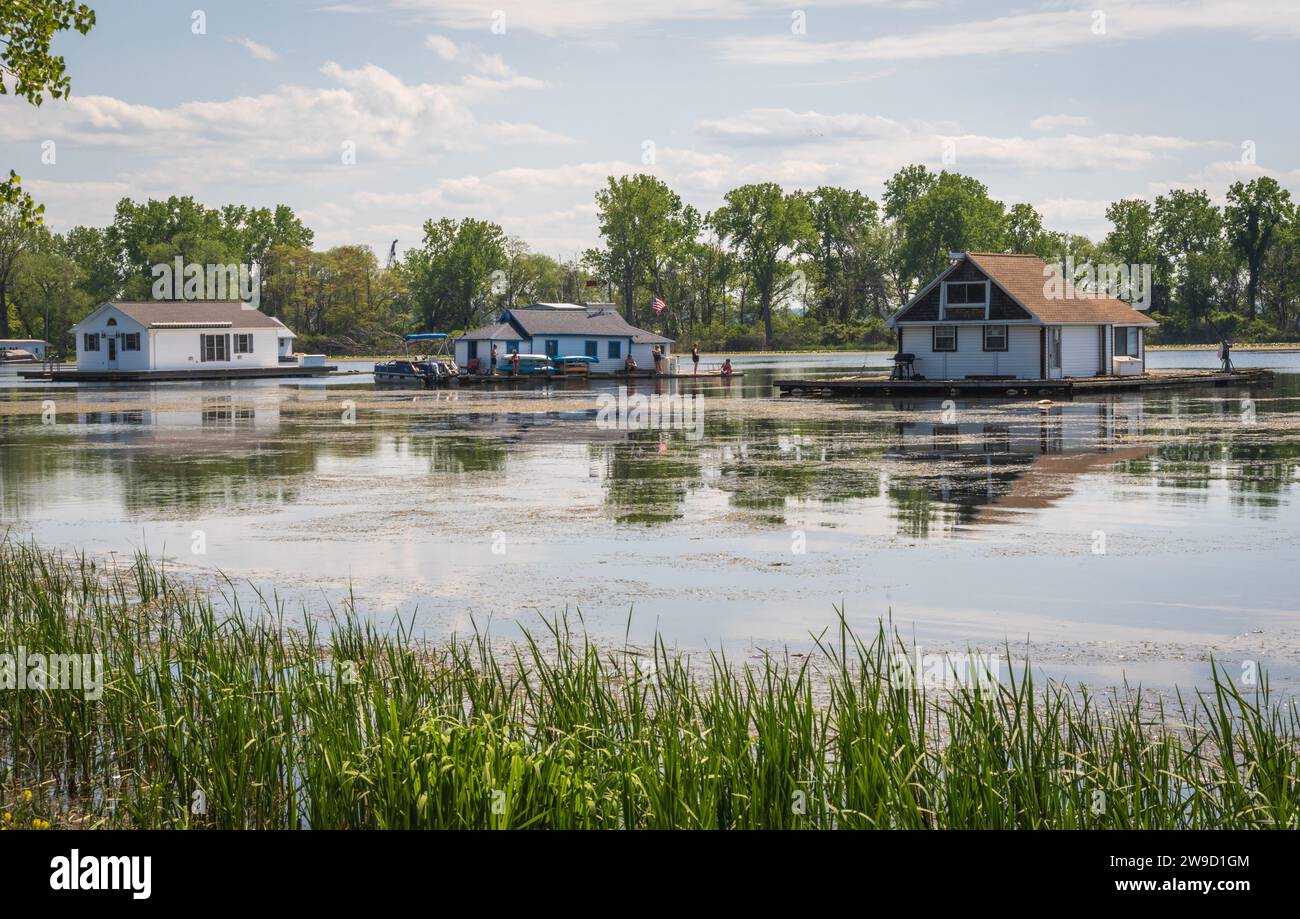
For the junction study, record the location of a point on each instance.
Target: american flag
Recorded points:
(659, 306)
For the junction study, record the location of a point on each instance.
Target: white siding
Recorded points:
(1079, 351)
(1020, 360)
(168, 349)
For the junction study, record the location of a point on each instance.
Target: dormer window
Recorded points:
(966, 300)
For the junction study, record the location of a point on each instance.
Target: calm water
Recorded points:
(1131, 535)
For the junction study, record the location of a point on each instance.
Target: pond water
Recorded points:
(1123, 537)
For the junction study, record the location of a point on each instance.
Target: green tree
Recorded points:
(765, 226)
(842, 222)
(639, 220)
(1252, 217)
(20, 220)
(451, 275)
(27, 27)
(939, 215)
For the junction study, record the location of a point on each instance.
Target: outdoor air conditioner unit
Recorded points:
(1124, 366)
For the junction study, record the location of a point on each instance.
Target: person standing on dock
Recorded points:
(514, 363)
(493, 370)
(1225, 355)
(695, 358)
(659, 359)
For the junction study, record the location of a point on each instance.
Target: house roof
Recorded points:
(565, 319)
(497, 331)
(180, 314)
(1025, 278)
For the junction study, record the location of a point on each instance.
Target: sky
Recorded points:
(369, 117)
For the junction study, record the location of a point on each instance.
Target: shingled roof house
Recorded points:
(993, 316)
(561, 330)
(170, 335)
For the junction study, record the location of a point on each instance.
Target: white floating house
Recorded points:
(172, 335)
(995, 316)
(561, 330)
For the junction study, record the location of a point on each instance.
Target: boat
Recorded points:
(434, 370)
(527, 365)
(16, 356)
(574, 365)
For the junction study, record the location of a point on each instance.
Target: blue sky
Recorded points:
(517, 111)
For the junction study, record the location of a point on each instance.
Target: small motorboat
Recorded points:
(525, 365)
(430, 371)
(16, 356)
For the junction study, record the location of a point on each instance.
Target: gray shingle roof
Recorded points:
(604, 322)
(497, 331)
(151, 313)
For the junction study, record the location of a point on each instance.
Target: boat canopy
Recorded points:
(425, 336)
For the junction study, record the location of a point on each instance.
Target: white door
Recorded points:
(112, 352)
(1053, 352)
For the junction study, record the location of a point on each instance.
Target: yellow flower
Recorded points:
(27, 795)
(8, 817)
(36, 823)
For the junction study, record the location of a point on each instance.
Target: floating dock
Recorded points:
(165, 376)
(474, 378)
(1157, 379)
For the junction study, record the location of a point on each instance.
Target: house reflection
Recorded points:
(956, 472)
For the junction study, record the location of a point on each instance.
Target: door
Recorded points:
(112, 352)
(1054, 352)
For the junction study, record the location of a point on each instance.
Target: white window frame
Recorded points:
(943, 298)
(90, 341)
(239, 342)
(934, 339)
(130, 341)
(1006, 337)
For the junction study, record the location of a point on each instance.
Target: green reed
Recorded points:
(212, 716)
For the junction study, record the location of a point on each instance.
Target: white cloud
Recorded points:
(1055, 122)
(587, 17)
(1050, 29)
(261, 52)
(442, 46)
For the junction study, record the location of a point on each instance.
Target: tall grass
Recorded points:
(234, 719)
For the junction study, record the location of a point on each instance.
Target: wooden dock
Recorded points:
(1156, 379)
(171, 376)
(476, 378)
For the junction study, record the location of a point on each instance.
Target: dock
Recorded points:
(1157, 379)
(476, 378)
(169, 376)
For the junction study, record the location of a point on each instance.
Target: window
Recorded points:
(130, 341)
(244, 343)
(512, 347)
(214, 348)
(615, 349)
(945, 338)
(472, 350)
(967, 293)
(995, 338)
(552, 347)
(90, 342)
(111, 321)
(592, 348)
(1126, 341)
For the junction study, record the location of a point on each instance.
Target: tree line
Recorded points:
(767, 268)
